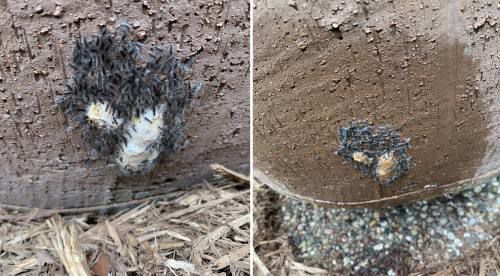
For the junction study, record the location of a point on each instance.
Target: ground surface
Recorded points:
(204, 230)
(46, 163)
(455, 235)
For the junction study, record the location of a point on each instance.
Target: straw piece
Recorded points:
(161, 233)
(176, 265)
(68, 249)
(230, 173)
(232, 257)
(138, 240)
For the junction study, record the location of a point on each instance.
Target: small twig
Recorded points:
(260, 265)
(218, 168)
(493, 241)
(201, 206)
(308, 269)
(219, 232)
(202, 243)
(43, 213)
(232, 257)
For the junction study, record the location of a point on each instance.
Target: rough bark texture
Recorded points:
(44, 160)
(427, 68)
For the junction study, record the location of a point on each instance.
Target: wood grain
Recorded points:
(44, 160)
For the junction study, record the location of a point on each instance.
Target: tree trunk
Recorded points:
(45, 162)
(365, 103)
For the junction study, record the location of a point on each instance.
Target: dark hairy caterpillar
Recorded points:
(376, 151)
(129, 105)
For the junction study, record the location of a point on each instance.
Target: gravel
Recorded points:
(393, 241)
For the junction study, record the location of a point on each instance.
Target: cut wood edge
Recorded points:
(428, 193)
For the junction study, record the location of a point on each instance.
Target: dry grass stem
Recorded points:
(200, 231)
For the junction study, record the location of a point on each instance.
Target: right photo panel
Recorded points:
(376, 142)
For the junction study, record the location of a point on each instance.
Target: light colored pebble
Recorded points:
(434, 229)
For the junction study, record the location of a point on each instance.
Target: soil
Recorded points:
(426, 69)
(45, 162)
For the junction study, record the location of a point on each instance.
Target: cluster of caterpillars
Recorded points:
(379, 152)
(130, 106)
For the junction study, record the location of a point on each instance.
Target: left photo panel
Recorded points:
(124, 137)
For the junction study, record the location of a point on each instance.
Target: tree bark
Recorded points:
(46, 164)
(427, 71)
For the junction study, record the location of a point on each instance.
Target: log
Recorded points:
(46, 163)
(370, 103)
